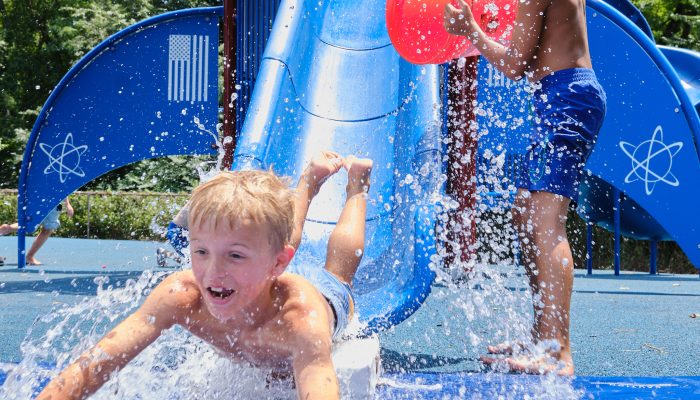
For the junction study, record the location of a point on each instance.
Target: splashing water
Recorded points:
(489, 290)
(176, 366)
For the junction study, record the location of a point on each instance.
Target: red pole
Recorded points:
(461, 169)
(229, 126)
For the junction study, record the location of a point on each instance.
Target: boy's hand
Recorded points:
(460, 21)
(326, 163)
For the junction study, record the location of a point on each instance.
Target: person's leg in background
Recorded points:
(39, 241)
(48, 226)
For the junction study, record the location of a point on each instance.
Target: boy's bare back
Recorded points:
(563, 40)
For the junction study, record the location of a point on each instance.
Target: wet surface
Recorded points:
(634, 325)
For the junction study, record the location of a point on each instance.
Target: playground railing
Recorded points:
(110, 214)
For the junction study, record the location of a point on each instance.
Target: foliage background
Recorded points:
(41, 39)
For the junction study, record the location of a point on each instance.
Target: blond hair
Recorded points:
(237, 197)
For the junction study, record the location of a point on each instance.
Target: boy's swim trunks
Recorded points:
(338, 294)
(569, 107)
(51, 220)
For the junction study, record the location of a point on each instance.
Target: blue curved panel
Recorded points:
(353, 97)
(633, 14)
(147, 91)
(323, 87)
(647, 147)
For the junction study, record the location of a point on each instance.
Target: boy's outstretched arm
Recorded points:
(314, 374)
(514, 59)
(92, 369)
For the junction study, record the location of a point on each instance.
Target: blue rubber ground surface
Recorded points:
(623, 328)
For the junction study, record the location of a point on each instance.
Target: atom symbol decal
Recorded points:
(652, 161)
(64, 158)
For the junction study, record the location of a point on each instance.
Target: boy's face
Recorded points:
(234, 265)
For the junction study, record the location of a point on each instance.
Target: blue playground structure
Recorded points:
(324, 82)
(148, 91)
(645, 168)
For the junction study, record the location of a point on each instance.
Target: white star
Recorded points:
(64, 158)
(654, 150)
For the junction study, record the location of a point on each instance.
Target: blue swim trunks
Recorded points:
(569, 107)
(338, 294)
(51, 220)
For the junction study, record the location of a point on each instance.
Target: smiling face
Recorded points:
(234, 266)
(240, 224)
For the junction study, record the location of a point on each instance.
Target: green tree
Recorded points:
(673, 22)
(39, 41)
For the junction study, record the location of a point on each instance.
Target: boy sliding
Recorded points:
(244, 229)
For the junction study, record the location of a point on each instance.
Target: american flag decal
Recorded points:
(188, 67)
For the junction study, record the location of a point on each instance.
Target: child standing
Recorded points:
(244, 229)
(48, 226)
(549, 46)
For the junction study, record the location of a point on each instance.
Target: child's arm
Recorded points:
(92, 369)
(313, 367)
(69, 208)
(515, 59)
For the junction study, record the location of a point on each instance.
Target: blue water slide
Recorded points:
(686, 63)
(328, 81)
(647, 150)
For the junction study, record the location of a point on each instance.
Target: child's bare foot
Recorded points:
(33, 261)
(506, 348)
(359, 171)
(7, 228)
(530, 364)
(542, 358)
(322, 166)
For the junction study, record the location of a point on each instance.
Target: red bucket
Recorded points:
(417, 30)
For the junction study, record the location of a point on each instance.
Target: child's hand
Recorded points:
(323, 165)
(69, 210)
(459, 21)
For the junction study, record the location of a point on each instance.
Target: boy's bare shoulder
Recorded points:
(177, 291)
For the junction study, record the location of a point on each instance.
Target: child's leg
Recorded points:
(319, 169)
(523, 214)
(541, 219)
(8, 228)
(522, 220)
(555, 270)
(41, 238)
(347, 241)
